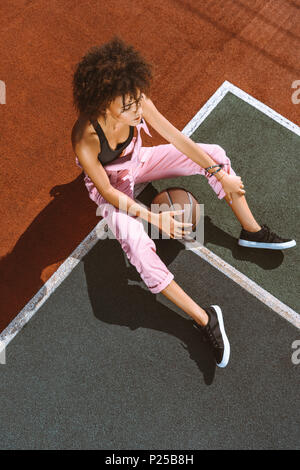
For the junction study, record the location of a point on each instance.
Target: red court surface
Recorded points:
(194, 45)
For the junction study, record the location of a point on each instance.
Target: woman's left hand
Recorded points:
(232, 184)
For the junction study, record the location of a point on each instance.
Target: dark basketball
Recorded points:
(175, 199)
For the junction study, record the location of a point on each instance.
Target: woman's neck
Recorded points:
(110, 124)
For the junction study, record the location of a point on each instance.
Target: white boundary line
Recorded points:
(268, 299)
(91, 239)
(250, 286)
(219, 95)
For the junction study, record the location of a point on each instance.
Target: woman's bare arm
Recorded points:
(182, 142)
(87, 154)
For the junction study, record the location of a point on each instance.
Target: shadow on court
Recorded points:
(105, 364)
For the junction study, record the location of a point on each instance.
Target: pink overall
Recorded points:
(145, 165)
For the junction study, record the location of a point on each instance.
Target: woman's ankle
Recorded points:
(202, 318)
(252, 228)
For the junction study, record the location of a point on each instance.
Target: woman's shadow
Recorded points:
(53, 235)
(118, 296)
(45, 244)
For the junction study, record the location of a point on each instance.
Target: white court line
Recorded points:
(268, 299)
(219, 95)
(91, 239)
(255, 289)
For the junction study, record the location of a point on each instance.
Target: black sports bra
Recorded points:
(107, 155)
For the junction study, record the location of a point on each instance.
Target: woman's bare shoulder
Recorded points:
(84, 134)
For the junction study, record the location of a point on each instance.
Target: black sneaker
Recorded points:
(214, 332)
(264, 238)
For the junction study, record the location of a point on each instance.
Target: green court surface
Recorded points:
(266, 156)
(105, 364)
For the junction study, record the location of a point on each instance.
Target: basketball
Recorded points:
(175, 199)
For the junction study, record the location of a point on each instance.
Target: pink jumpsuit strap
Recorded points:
(130, 161)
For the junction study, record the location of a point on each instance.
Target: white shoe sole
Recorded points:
(226, 354)
(270, 246)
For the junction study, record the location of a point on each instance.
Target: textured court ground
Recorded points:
(105, 352)
(105, 364)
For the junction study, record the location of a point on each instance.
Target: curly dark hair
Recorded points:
(106, 72)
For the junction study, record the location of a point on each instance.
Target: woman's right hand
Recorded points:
(232, 184)
(166, 223)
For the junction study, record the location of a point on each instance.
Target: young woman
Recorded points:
(111, 87)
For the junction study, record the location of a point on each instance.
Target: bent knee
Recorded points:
(138, 248)
(219, 150)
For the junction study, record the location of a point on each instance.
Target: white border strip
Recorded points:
(32, 307)
(268, 299)
(219, 95)
(91, 239)
(250, 286)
